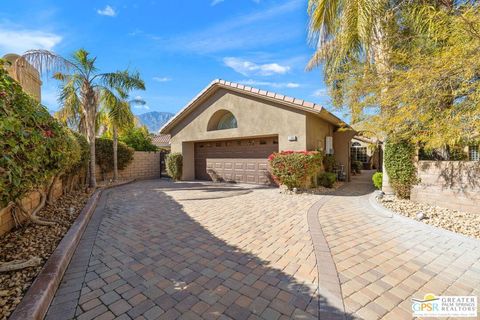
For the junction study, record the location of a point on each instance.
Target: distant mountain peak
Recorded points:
(154, 120)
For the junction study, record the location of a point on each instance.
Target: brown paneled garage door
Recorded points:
(242, 160)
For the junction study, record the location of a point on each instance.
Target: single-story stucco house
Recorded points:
(229, 130)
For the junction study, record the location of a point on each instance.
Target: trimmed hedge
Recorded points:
(294, 169)
(398, 158)
(104, 155)
(327, 179)
(174, 165)
(357, 166)
(377, 179)
(35, 146)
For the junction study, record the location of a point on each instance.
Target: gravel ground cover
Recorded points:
(460, 222)
(34, 241)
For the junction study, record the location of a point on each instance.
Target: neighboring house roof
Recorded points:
(161, 140)
(217, 84)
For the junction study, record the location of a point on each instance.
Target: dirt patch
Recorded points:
(34, 241)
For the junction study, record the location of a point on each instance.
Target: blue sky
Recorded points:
(178, 46)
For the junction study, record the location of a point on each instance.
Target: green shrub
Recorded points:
(377, 180)
(174, 165)
(138, 138)
(327, 179)
(294, 169)
(104, 155)
(329, 162)
(357, 166)
(398, 158)
(35, 146)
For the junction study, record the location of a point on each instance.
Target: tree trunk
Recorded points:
(115, 148)
(90, 108)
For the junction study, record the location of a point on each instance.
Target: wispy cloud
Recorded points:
(248, 68)
(107, 11)
(215, 2)
(320, 93)
(140, 106)
(13, 39)
(243, 32)
(251, 82)
(162, 79)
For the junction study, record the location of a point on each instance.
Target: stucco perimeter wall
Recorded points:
(29, 202)
(449, 184)
(145, 165)
(25, 74)
(255, 118)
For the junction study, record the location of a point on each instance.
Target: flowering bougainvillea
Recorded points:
(294, 169)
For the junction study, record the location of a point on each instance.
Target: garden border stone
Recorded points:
(37, 299)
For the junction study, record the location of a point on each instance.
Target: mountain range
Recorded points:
(154, 120)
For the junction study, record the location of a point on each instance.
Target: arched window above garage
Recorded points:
(222, 119)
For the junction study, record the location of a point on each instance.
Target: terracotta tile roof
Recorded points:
(161, 140)
(289, 101)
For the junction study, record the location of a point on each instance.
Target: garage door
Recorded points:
(243, 160)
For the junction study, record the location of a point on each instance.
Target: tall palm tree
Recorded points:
(83, 87)
(349, 29)
(118, 116)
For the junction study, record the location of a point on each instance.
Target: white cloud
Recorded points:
(162, 79)
(215, 2)
(107, 11)
(251, 82)
(248, 68)
(18, 41)
(140, 106)
(319, 93)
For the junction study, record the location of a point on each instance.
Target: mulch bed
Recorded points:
(34, 241)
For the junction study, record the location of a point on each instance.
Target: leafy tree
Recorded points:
(83, 87)
(138, 138)
(104, 155)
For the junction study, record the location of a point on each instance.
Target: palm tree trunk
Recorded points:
(115, 159)
(90, 108)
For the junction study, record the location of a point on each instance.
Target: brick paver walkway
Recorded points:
(158, 250)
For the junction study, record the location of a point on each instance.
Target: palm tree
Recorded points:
(83, 87)
(118, 116)
(349, 29)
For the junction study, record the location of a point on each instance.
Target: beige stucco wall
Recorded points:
(449, 184)
(317, 130)
(26, 75)
(341, 147)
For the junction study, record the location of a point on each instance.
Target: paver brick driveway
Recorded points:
(193, 250)
(159, 250)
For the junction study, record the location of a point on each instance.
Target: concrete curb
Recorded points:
(37, 299)
(444, 232)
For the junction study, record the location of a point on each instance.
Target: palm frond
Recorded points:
(122, 79)
(45, 61)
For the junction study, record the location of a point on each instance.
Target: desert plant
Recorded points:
(398, 159)
(326, 179)
(377, 180)
(138, 138)
(104, 157)
(357, 166)
(329, 162)
(175, 165)
(294, 169)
